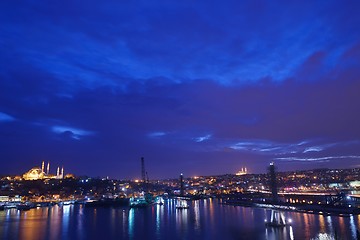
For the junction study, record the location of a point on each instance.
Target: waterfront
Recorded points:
(206, 219)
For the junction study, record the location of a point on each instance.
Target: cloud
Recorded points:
(156, 134)
(143, 41)
(74, 133)
(6, 117)
(275, 148)
(312, 159)
(203, 138)
(265, 147)
(313, 149)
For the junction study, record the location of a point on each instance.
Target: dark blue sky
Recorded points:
(195, 87)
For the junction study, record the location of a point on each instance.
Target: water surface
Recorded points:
(206, 219)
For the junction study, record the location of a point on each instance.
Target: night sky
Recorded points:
(198, 88)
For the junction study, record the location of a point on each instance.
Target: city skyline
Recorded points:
(199, 89)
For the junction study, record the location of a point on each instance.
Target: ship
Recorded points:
(142, 201)
(107, 202)
(138, 202)
(24, 206)
(182, 204)
(160, 200)
(277, 220)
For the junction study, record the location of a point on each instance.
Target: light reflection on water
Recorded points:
(80, 226)
(66, 218)
(205, 219)
(322, 223)
(352, 227)
(131, 222)
(291, 233)
(197, 225)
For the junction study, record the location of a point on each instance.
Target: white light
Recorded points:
(290, 220)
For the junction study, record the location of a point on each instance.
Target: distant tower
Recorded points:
(273, 185)
(143, 170)
(181, 185)
(42, 166)
(48, 168)
(62, 172)
(58, 172)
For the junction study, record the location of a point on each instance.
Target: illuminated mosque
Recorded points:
(243, 171)
(37, 173)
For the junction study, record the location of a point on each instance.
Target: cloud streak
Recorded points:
(6, 117)
(203, 138)
(74, 133)
(268, 147)
(326, 158)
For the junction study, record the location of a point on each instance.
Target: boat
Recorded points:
(142, 201)
(277, 220)
(23, 206)
(64, 203)
(107, 202)
(11, 204)
(45, 204)
(328, 208)
(181, 204)
(160, 201)
(139, 202)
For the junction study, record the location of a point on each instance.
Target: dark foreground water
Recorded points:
(206, 219)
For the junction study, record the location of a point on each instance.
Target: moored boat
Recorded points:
(139, 202)
(107, 202)
(160, 200)
(23, 206)
(181, 204)
(277, 220)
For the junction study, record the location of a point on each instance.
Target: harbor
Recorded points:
(204, 219)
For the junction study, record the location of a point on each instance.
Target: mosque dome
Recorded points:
(34, 174)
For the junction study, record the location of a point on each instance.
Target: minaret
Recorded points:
(48, 168)
(42, 166)
(181, 185)
(62, 172)
(58, 173)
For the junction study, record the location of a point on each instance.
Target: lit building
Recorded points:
(69, 175)
(34, 174)
(243, 171)
(38, 173)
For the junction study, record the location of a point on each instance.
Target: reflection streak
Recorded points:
(197, 215)
(65, 218)
(352, 227)
(131, 223)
